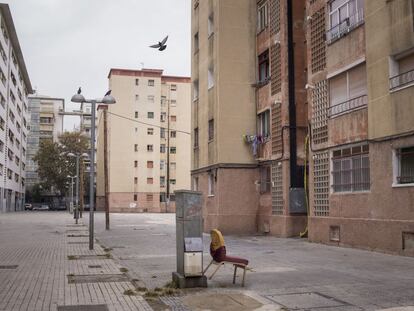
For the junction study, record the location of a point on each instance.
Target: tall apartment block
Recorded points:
(14, 88)
(361, 65)
(46, 123)
(148, 141)
(249, 120)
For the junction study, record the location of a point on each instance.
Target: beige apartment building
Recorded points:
(149, 139)
(302, 119)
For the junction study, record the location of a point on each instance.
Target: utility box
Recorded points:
(189, 240)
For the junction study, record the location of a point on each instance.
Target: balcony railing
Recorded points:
(345, 26)
(405, 179)
(349, 105)
(401, 80)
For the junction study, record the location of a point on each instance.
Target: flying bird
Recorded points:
(108, 93)
(161, 46)
(79, 90)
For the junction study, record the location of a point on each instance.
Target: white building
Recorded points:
(14, 87)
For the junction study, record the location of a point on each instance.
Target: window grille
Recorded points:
(277, 189)
(277, 140)
(318, 45)
(350, 169)
(320, 112)
(321, 184)
(405, 165)
(276, 69)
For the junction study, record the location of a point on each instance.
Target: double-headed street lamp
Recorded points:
(107, 100)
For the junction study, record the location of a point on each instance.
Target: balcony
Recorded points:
(344, 27)
(402, 80)
(347, 106)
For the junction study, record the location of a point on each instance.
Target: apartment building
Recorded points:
(14, 88)
(361, 66)
(148, 141)
(45, 123)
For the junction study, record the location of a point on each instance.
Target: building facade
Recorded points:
(14, 88)
(302, 119)
(148, 132)
(46, 123)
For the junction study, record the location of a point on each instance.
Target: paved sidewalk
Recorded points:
(35, 267)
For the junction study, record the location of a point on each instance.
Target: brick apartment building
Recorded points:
(306, 101)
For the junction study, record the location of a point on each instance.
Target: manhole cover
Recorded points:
(89, 257)
(306, 301)
(97, 278)
(79, 242)
(83, 308)
(8, 267)
(78, 236)
(94, 266)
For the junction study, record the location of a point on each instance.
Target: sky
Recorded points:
(72, 43)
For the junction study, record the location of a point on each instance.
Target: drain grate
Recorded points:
(78, 242)
(97, 278)
(83, 308)
(295, 301)
(94, 266)
(89, 257)
(8, 267)
(78, 236)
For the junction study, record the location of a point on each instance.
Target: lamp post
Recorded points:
(77, 156)
(71, 192)
(107, 100)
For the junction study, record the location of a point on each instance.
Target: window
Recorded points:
(150, 164)
(136, 147)
(344, 15)
(162, 181)
(162, 164)
(405, 165)
(210, 184)
(263, 62)
(210, 25)
(173, 134)
(196, 137)
(401, 72)
(173, 118)
(135, 197)
(162, 132)
(173, 150)
(150, 115)
(265, 179)
(262, 18)
(136, 81)
(150, 148)
(211, 130)
(151, 82)
(348, 91)
(351, 171)
(172, 181)
(136, 114)
(162, 197)
(151, 98)
(2, 100)
(210, 77)
(173, 87)
(135, 163)
(196, 43)
(264, 124)
(150, 131)
(163, 116)
(195, 183)
(1, 146)
(150, 197)
(173, 102)
(1, 169)
(162, 148)
(173, 165)
(136, 97)
(9, 174)
(2, 123)
(135, 180)
(16, 177)
(195, 90)
(150, 180)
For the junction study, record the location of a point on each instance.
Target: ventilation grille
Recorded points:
(277, 139)
(277, 189)
(320, 112)
(318, 45)
(321, 184)
(274, 17)
(276, 69)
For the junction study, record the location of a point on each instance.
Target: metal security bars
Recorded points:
(345, 26)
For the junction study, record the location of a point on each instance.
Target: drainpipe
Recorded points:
(292, 104)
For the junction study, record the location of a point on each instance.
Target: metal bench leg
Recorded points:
(234, 275)
(244, 275)
(211, 276)
(205, 270)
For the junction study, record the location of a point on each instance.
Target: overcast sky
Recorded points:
(72, 43)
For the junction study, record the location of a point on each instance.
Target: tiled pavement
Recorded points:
(38, 243)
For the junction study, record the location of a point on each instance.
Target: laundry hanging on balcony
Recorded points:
(255, 141)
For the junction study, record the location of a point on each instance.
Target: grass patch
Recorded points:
(169, 292)
(71, 274)
(157, 289)
(107, 255)
(171, 284)
(151, 294)
(107, 249)
(154, 277)
(129, 292)
(142, 289)
(72, 257)
(123, 270)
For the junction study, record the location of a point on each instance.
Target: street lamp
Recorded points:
(107, 100)
(77, 156)
(71, 185)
